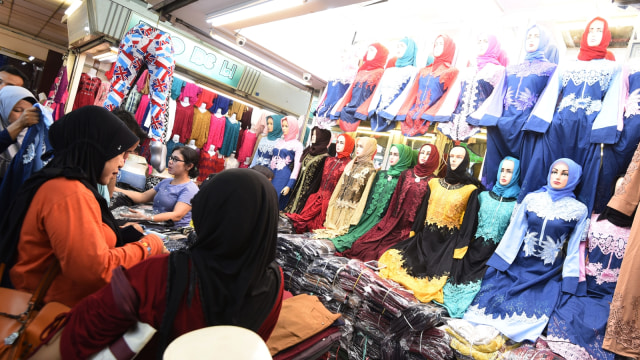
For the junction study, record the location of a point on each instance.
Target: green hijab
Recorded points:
(277, 127)
(405, 161)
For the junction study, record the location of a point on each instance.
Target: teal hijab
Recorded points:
(405, 161)
(276, 133)
(512, 189)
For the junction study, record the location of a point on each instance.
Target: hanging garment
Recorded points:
(505, 114)
(205, 97)
(207, 165)
(132, 101)
(231, 131)
(184, 121)
(143, 109)
(200, 127)
(616, 157)
(285, 164)
(245, 120)
(171, 145)
(578, 323)
(333, 93)
(153, 47)
(579, 110)
(390, 94)
(423, 262)
(176, 88)
(102, 93)
(191, 91)
(87, 90)
(472, 88)
(58, 94)
(222, 103)
(529, 269)
(237, 108)
(246, 148)
(216, 131)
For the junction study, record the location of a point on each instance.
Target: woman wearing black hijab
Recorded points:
(58, 214)
(227, 277)
(445, 223)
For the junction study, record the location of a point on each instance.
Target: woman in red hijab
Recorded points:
(315, 209)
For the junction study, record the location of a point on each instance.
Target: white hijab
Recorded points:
(9, 97)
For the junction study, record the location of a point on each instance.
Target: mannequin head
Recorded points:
(313, 136)
(506, 172)
(269, 124)
(340, 144)
(533, 39)
(559, 175)
(394, 156)
(401, 48)
(371, 53)
(359, 148)
(483, 44)
(285, 127)
(423, 156)
(438, 46)
(595, 32)
(456, 156)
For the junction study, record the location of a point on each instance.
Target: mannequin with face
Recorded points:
(393, 88)
(264, 151)
(314, 212)
(355, 103)
(313, 158)
(576, 114)
(495, 211)
(384, 184)
(589, 314)
(429, 89)
(285, 162)
(403, 206)
(529, 269)
(506, 113)
(348, 200)
(472, 88)
(443, 226)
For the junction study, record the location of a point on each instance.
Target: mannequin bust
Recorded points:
(176, 138)
(185, 101)
(192, 144)
(233, 118)
(212, 150)
(231, 162)
(219, 112)
(203, 107)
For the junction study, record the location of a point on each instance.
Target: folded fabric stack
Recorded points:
(479, 342)
(294, 253)
(432, 344)
(538, 351)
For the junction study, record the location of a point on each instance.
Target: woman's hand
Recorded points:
(29, 117)
(136, 214)
(135, 226)
(285, 191)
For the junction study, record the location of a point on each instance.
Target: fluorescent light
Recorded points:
(108, 56)
(31, 58)
(252, 10)
(73, 7)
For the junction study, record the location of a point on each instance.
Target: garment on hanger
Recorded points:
(495, 212)
(530, 270)
(403, 206)
(579, 109)
(143, 109)
(428, 92)
(506, 113)
(102, 93)
(184, 121)
(314, 212)
(176, 88)
(349, 197)
(220, 102)
(216, 131)
(200, 127)
(246, 148)
(132, 101)
(205, 97)
(231, 131)
(245, 119)
(443, 227)
(58, 93)
(191, 91)
(87, 90)
(207, 165)
(237, 108)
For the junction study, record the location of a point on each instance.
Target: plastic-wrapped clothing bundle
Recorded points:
(432, 344)
(418, 317)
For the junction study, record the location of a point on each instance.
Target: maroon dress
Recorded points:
(87, 91)
(314, 212)
(396, 223)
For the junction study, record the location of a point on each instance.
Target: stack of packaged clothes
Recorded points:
(480, 342)
(295, 253)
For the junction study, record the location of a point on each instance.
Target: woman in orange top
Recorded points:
(59, 215)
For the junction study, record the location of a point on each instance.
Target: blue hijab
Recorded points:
(276, 133)
(409, 57)
(539, 53)
(512, 189)
(575, 174)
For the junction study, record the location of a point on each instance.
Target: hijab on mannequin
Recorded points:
(590, 49)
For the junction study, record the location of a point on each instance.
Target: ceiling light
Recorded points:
(31, 58)
(73, 7)
(108, 56)
(250, 10)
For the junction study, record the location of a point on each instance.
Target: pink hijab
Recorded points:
(492, 55)
(293, 127)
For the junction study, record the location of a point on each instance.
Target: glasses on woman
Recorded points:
(175, 159)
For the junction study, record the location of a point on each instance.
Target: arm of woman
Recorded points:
(179, 211)
(138, 197)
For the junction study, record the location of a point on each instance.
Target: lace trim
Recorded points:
(568, 350)
(448, 186)
(589, 75)
(567, 209)
(631, 170)
(523, 101)
(546, 249)
(493, 217)
(608, 243)
(538, 68)
(602, 275)
(622, 327)
(589, 105)
(514, 318)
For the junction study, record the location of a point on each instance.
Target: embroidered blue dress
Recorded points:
(264, 152)
(506, 113)
(390, 94)
(528, 270)
(466, 274)
(587, 94)
(357, 98)
(616, 157)
(474, 88)
(285, 164)
(577, 325)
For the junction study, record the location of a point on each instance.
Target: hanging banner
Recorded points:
(197, 56)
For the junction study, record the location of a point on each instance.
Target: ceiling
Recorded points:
(315, 36)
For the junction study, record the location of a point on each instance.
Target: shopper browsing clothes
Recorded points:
(58, 214)
(171, 197)
(16, 114)
(233, 262)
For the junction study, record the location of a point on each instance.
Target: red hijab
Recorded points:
(349, 144)
(430, 165)
(588, 53)
(378, 61)
(448, 52)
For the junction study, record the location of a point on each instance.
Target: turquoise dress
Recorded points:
(467, 273)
